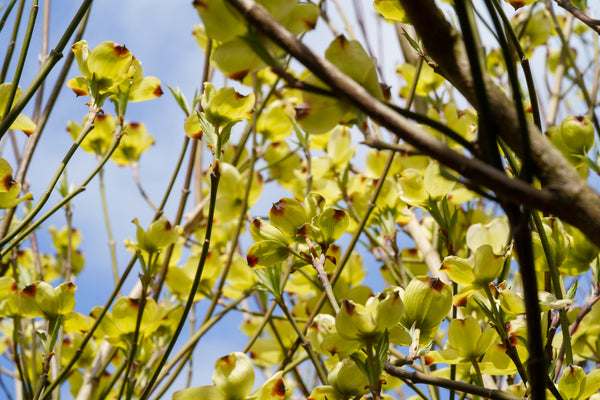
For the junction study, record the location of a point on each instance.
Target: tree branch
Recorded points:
(419, 377)
(594, 24)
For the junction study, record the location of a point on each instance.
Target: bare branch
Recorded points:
(419, 377)
(594, 24)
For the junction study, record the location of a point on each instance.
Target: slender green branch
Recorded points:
(214, 179)
(88, 126)
(305, 343)
(7, 13)
(22, 56)
(53, 58)
(111, 240)
(514, 41)
(129, 381)
(487, 131)
(11, 44)
(526, 172)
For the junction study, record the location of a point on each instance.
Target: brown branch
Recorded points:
(594, 24)
(419, 377)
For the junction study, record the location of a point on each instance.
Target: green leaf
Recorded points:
(412, 42)
(180, 99)
(207, 130)
(236, 58)
(350, 57)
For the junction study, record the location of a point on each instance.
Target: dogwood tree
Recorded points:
(467, 183)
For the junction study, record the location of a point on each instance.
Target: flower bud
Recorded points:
(159, 235)
(366, 323)
(427, 301)
(39, 300)
(234, 375)
(389, 308)
(577, 133)
(288, 215)
(354, 322)
(348, 379)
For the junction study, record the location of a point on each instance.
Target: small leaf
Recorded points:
(180, 99)
(412, 42)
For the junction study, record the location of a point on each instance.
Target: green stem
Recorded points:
(22, 56)
(374, 387)
(185, 192)
(115, 377)
(129, 381)
(214, 178)
(265, 320)
(479, 377)
(487, 131)
(556, 284)
(305, 343)
(433, 394)
(19, 357)
(111, 240)
(188, 177)
(526, 172)
(53, 58)
(514, 41)
(242, 217)
(13, 40)
(54, 327)
(7, 13)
